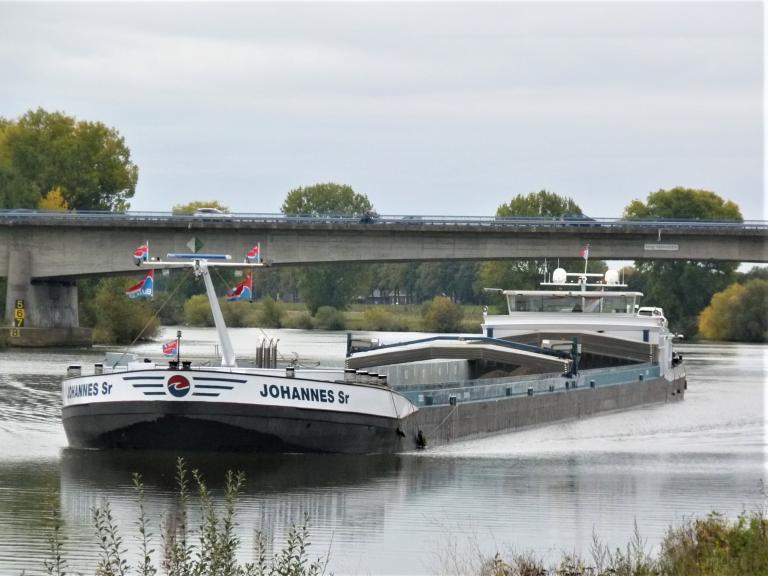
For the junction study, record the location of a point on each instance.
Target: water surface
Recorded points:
(544, 489)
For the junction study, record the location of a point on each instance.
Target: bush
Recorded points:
(329, 318)
(239, 313)
(197, 311)
(376, 318)
(117, 319)
(442, 315)
(216, 549)
(271, 313)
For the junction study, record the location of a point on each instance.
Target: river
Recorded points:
(545, 489)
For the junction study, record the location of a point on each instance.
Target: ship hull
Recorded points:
(228, 427)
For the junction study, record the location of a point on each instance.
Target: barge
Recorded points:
(570, 350)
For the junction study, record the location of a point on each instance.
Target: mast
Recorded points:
(199, 263)
(227, 351)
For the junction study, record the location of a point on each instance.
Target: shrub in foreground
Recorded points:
(210, 550)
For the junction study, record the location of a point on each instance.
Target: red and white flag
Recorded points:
(170, 348)
(585, 252)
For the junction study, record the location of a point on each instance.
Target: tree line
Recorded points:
(49, 160)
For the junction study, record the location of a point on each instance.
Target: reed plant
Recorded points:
(210, 549)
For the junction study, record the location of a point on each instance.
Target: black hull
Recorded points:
(228, 427)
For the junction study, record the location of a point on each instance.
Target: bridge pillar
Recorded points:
(40, 313)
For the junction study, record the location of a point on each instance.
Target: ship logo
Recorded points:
(178, 386)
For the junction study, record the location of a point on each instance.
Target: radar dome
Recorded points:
(612, 277)
(559, 276)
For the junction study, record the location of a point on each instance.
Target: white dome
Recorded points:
(559, 276)
(612, 277)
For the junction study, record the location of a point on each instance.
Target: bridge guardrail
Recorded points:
(38, 216)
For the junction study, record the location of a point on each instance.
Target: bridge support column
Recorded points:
(40, 313)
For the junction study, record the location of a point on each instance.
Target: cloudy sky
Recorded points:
(427, 108)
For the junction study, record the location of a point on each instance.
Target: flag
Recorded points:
(242, 291)
(585, 252)
(143, 289)
(170, 348)
(141, 254)
(254, 254)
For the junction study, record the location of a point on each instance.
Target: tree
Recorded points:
(682, 288)
(190, 207)
(53, 201)
(442, 315)
(541, 203)
(327, 284)
(119, 320)
(738, 313)
(527, 273)
(88, 161)
(326, 198)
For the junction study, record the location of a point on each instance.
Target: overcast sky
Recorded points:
(426, 108)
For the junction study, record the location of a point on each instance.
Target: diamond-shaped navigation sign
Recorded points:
(195, 244)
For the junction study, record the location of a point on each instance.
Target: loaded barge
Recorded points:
(575, 348)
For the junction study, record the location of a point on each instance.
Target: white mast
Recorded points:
(227, 351)
(200, 264)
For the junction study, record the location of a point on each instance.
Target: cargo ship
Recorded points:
(579, 346)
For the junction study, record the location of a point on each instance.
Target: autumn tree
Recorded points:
(87, 161)
(738, 313)
(53, 201)
(682, 288)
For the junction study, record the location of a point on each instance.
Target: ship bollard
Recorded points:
(259, 354)
(290, 372)
(274, 353)
(98, 368)
(74, 370)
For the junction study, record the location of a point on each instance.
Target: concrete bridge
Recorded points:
(43, 254)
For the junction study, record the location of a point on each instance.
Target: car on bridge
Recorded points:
(210, 212)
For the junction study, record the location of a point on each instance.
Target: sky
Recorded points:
(432, 108)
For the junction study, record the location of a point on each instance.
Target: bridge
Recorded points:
(44, 253)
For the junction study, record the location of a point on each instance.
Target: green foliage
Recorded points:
(327, 284)
(190, 207)
(327, 198)
(239, 313)
(442, 315)
(712, 546)
(526, 274)
(88, 161)
(684, 203)
(300, 320)
(115, 318)
(329, 318)
(216, 551)
(738, 313)
(271, 313)
(682, 288)
(197, 311)
(541, 203)
(716, 547)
